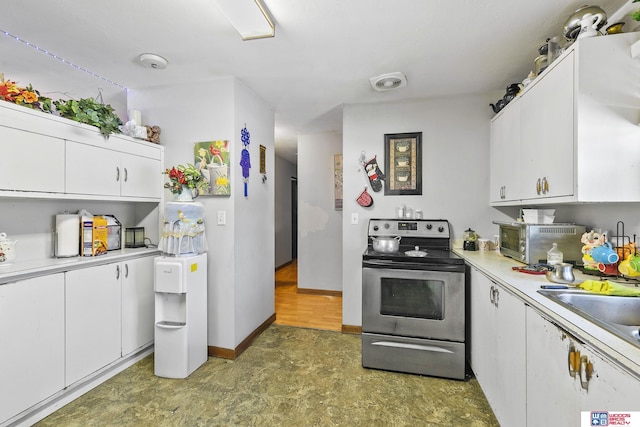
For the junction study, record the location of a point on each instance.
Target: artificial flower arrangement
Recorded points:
(85, 110)
(25, 96)
(188, 176)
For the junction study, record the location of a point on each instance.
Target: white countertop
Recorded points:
(525, 287)
(21, 270)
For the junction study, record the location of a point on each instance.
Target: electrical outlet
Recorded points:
(354, 218)
(222, 217)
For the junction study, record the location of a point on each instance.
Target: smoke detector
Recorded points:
(151, 60)
(388, 81)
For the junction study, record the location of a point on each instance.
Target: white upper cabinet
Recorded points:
(43, 153)
(505, 154)
(31, 162)
(575, 129)
(104, 171)
(547, 135)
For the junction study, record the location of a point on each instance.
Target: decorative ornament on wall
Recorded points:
(245, 159)
(212, 158)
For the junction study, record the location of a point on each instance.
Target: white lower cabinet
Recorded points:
(137, 304)
(498, 348)
(32, 335)
(93, 319)
(554, 395)
(109, 314)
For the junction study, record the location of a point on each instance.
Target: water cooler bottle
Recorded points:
(180, 283)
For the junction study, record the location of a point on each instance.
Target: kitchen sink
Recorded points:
(618, 315)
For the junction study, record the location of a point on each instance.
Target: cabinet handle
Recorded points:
(585, 372)
(538, 186)
(496, 297)
(117, 271)
(491, 295)
(545, 185)
(574, 362)
(117, 173)
(126, 174)
(126, 271)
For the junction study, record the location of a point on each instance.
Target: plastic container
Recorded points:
(554, 255)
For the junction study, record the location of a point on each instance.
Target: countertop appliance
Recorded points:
(529, 243)
(413, 300)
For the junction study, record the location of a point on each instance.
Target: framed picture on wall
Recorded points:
(403, 163)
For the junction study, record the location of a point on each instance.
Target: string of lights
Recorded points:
(65, 61)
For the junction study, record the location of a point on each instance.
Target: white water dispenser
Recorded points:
(181, 314)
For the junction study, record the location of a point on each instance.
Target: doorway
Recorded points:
(294, 218)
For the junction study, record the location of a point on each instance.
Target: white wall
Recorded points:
(226, 106)
(284, 171)
(253, 251)
(455, 176)
(319, 224)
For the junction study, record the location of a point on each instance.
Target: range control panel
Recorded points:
(437, 228)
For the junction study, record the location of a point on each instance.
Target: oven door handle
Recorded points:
(412, 266)
(412, 346)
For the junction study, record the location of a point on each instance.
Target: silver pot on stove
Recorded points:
(387, 245)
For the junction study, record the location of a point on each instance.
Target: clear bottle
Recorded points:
(554, 255)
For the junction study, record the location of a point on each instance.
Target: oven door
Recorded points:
(413, 303)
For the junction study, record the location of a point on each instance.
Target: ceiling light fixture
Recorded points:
(388, 81)
(151, 60)
(249, 17)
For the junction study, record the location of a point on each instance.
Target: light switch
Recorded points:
(354, 218)
(222, 217)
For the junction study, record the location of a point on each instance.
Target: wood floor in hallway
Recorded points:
(302, 309)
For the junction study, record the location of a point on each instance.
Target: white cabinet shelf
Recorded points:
(93, 316)
(580, 112)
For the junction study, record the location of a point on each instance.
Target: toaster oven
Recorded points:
(529, 243)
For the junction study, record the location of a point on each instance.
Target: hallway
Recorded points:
(305, 310)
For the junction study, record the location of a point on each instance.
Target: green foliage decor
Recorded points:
(91, 112)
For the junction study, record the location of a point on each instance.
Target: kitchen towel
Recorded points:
(67, 238)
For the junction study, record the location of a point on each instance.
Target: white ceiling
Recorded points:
(322, 56)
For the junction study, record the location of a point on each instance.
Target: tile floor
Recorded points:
(289, 376)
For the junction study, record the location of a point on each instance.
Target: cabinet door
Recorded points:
(552, 394)
(137, 304)
(505, 154)
(610, 388)
(31, 162)
(92, 170)
(482, 331)
(141, 176)
(548, 134)
(510, 358)
(32, 331)
(498, 347)
(92, 319)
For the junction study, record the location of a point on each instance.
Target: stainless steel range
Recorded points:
(413, 300)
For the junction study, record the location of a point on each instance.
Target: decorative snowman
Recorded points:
(590, 240)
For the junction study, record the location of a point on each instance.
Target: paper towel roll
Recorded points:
(67, 242)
